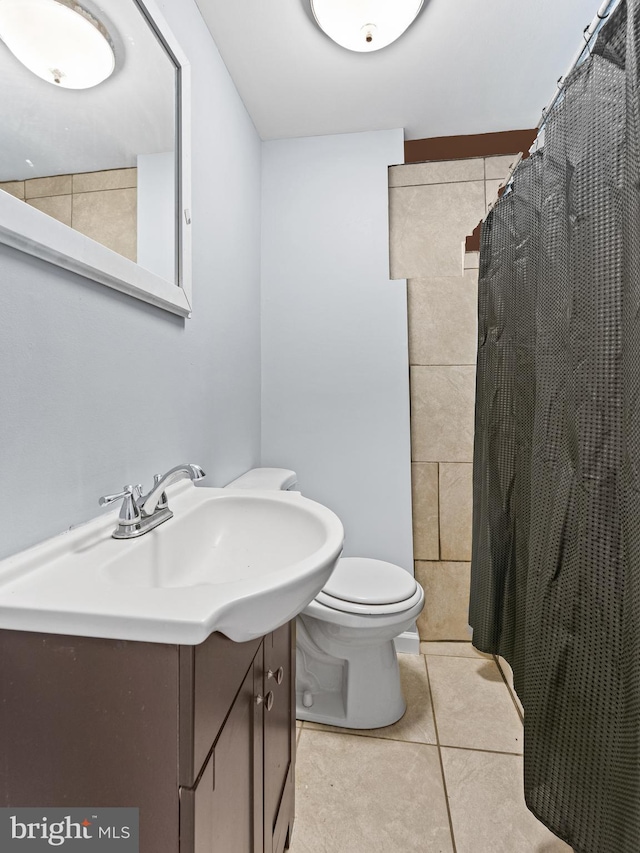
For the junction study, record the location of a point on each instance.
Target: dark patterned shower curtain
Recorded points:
(556, 540)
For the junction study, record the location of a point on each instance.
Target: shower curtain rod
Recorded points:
(589, 34)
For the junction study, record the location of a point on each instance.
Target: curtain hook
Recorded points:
(541, 125)
(587, 38)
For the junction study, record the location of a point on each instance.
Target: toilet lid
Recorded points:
(332, 603)
(361, 580)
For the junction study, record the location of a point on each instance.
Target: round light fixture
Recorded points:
(57, 40)
(365, 25)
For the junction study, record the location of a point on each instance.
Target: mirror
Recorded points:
(97, 179)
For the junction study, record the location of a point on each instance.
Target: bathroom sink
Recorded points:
(230, 561)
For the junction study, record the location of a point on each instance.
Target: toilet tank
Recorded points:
(274, 479)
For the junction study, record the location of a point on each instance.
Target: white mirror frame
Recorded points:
(29, 230)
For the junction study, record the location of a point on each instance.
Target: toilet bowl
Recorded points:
(346, 664)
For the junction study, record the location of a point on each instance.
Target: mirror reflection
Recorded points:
(100, 159)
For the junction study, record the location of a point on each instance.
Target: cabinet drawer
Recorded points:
(211, 675)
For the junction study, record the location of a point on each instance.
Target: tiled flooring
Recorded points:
(447, 778)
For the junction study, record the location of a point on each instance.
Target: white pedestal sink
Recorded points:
(230, 561)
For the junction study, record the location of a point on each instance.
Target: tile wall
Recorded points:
(433, 207)
(102, 205)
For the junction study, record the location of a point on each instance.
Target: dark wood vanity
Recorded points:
(200, 738)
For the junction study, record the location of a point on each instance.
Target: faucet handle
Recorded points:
(163, 502)
(105, 500)
(129, 512)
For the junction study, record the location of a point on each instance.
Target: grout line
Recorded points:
(511, 692)
(439, 517)
(447, 462)
(460, 657)
(438, 184)
(359, 733)
(101, 190)
(444, 780)
(483, 751)
(457, 364)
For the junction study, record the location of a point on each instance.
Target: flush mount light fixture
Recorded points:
(365, 25)
(57, 40)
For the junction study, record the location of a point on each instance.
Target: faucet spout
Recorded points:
(149, 502)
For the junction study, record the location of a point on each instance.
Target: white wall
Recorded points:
(97, 389)
(335, 382)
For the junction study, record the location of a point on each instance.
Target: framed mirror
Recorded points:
(95, 177)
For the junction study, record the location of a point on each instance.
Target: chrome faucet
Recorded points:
(156, 498)
(141, 513)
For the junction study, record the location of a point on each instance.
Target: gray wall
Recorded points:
(335, 375)
(97, 389)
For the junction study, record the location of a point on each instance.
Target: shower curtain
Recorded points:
(556, 531)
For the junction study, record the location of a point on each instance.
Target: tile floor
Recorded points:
(446, 778)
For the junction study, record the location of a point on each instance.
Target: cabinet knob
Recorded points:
(278, 675)
(267, 700)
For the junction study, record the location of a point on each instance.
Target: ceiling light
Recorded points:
(57, 40)
(365, 25)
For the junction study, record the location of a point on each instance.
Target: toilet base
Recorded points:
(346, 685)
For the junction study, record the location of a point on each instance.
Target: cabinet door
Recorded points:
(279, 737)
(210, 676)
(227, 801)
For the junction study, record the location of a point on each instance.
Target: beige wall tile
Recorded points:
(109, 217)
(15, 188)
(352, 795)
(417, 725)
(443, 324)
(446, 591)
(487, 805)
(437, 172)
(110, 179)
(42, 187)
(492, 192)
(472, 260)
(442, 413)
(472, 705)
(57, 206)
(426, 532)
(456, 505)
(499, 168)
(456, 650)
(428, 226)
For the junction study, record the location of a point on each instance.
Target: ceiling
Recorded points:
(465, 66)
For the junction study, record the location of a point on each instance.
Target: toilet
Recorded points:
(346, 664)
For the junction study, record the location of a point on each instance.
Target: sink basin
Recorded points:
(245, 537)
(229, 560)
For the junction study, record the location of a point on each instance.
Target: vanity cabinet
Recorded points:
(200, 738)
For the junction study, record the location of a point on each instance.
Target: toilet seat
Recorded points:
(368, 609)
(370, 587)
